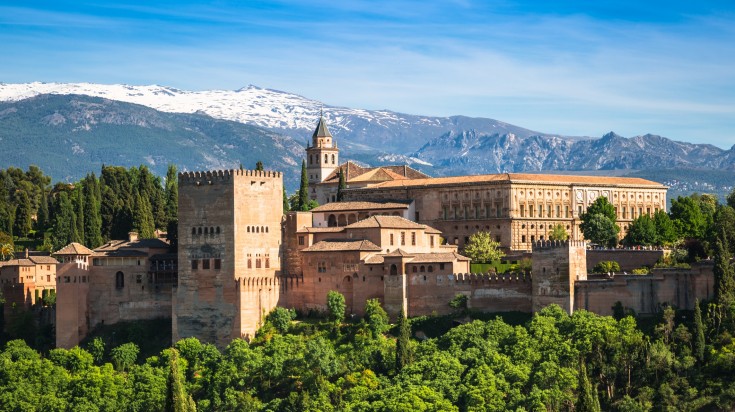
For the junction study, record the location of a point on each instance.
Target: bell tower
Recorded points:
(322, 157)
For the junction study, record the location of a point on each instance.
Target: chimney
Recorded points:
(26, 253)
(132, 236)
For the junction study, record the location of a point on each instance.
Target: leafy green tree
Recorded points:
(642, 231)
(336, 306)
(558, 233)
(599, 229)
(588, 400)
(124, 356)
(665, 230)
(601, 206)
(723, 225)
(341, 187)
(482, 248)
(96, 348)
(460, 302)
(688, 218)
(376, 317)
(404, 355)
(281, 318)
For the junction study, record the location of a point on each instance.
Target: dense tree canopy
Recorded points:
(598, 223)
(482, 248)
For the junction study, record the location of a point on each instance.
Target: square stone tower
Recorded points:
(556, 266)
(229, 253)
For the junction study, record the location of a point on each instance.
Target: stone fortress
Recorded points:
(239, 255)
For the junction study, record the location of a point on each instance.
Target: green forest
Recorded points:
(552, 362)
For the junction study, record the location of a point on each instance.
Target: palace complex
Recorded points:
(397, 237)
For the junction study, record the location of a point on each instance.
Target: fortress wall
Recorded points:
(628, 259)
(432, 293)
(646, 293)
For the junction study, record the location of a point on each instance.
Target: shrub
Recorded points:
(641, 271)
(606, 266)
(281, 318)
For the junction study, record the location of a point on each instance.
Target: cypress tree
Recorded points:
(177, 400)
(342, 186)
(144, 218)
(698, 332)
(79, 208)
(587, 400)
(723, 271)
(259, 166)
(42, 217)
(172, 193)
(93, 220)
(303, 188)
(403, 348)
(23, 221)
(64, 229)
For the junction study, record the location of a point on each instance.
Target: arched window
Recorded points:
(119, 280)
(257, 229)
(423, 269)
(311, 160)
(332, 159)
(248, 229)
(193, 231)
(414, 269)
(206, 230)
(431, 268)
(332, 221)
(199, 230)
(393, 270)
(266, 229)
(326, 158)
(217, 230)
(211, 230)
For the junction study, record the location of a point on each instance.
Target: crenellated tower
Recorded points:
(556, 266)
(229, 253)
(322, 157)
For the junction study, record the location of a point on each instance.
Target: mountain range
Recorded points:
(69, 129)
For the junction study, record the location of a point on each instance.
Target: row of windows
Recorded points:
(260, 260)
(423, 269)
(257, 229)
(488, 193)
(472, 213)
(211, 230)
(413, 239)
(206, 264)
(551, 211)
(326, 159)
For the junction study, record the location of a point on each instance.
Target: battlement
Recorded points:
(211, 176)
(489, 277)
(557, 244)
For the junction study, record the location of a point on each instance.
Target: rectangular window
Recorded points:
(301, 241)
(403, 238)
(566, 211)
(194, 264)
(540, 210)
(531, 211)
(558, 211)
(523, 210)
(205, 263)
(431, 240)
(441, 266)
(413, 238)
(523, 239)
(257, 263)
(548, 210)
(391, 239)
(267, 262)
(498, 210)
(217, 264)
(579, 211)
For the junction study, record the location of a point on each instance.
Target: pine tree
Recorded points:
(587, 400)
(403, 343)
(304, 188)
(342, 186)
(698, 332)
(259, 166)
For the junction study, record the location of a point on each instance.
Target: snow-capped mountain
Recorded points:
(287, 113)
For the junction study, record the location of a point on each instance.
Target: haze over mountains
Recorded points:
(70, 129)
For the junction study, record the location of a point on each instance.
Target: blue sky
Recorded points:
(574, 68)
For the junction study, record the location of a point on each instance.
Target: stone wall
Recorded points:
(628, 259)
(646, 293)
(72, 310)
(556, 266)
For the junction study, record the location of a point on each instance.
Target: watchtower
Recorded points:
(229, 253)
(556, 266)
(322, 157)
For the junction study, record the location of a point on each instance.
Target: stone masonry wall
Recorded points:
(628, 259)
